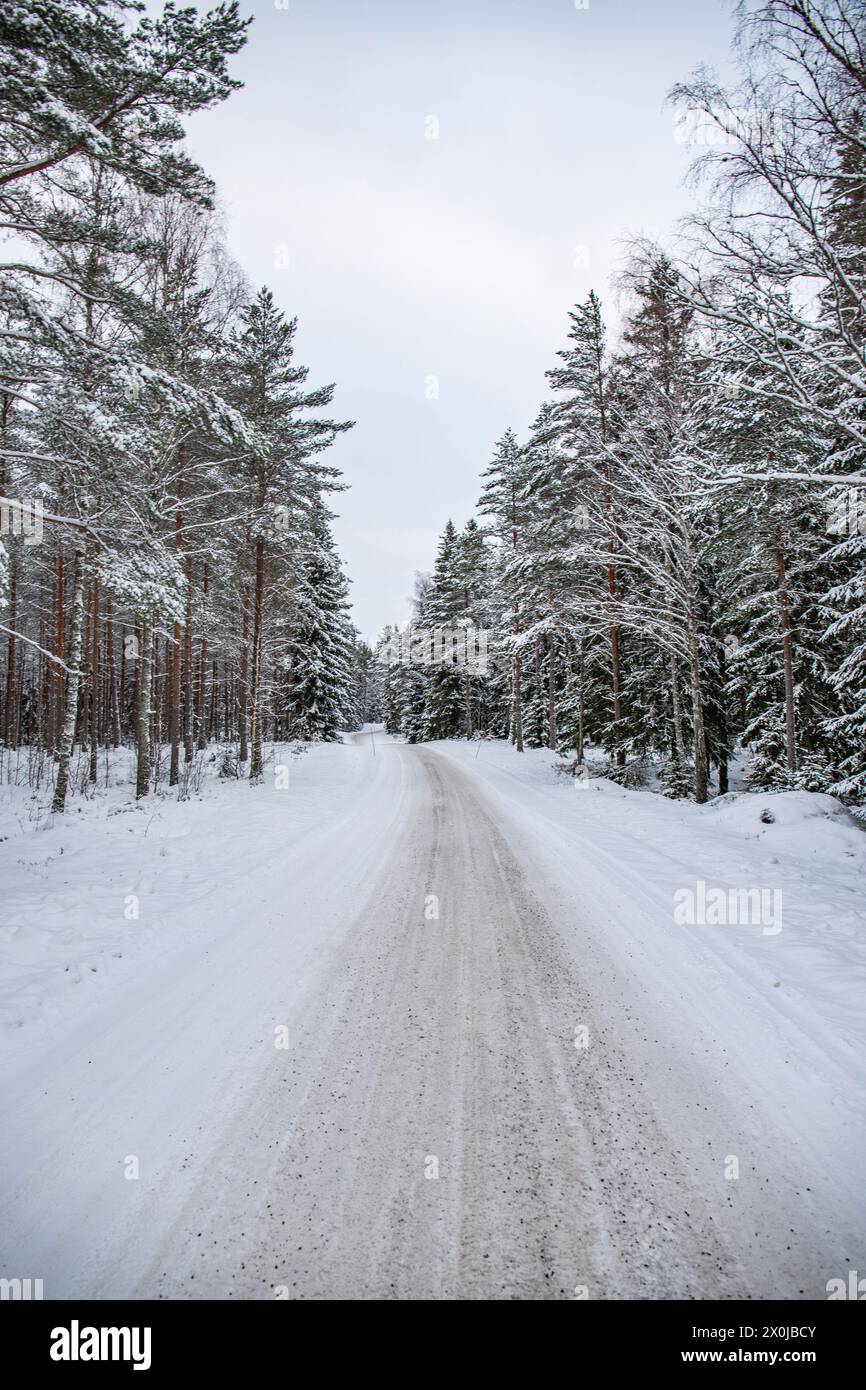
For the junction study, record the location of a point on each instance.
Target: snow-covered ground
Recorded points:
(633, 856)
(93, 896)
(428, 1022)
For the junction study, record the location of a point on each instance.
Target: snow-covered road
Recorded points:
(486, 1091)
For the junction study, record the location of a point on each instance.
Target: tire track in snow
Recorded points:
(453, 1040)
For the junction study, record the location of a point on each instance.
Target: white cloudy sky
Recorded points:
(456, 258)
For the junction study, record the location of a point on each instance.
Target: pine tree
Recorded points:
(583, 424)
(444, 703)
(283, 478)
(320, 648)
(502, 503)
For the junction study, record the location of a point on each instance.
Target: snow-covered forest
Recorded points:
(672, 561)
(669, 565)
(509, 945)
(169, 580)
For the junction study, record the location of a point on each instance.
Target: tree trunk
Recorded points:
(698, 731)
(243, 681)
(213, 720)
(200, 692)
(59, 644)
(581, 699)
(174, 707)
(113, 698)
(73, 682)
(614, 669)
(174, 678)
(676, 700)
(787, 651)
(158, 694)
(723, 730)
(10, 709)
(142, 714)
(83, 726)
(551, 695)
(256, 766)
(94, 685)
(121, 698)
(187, 668)
(723, 774)
(517, 705)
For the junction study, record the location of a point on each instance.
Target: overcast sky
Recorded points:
(429, 185)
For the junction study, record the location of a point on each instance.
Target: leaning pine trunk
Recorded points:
(73, 683)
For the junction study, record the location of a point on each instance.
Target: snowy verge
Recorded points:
(91, 897)
(781, 991)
